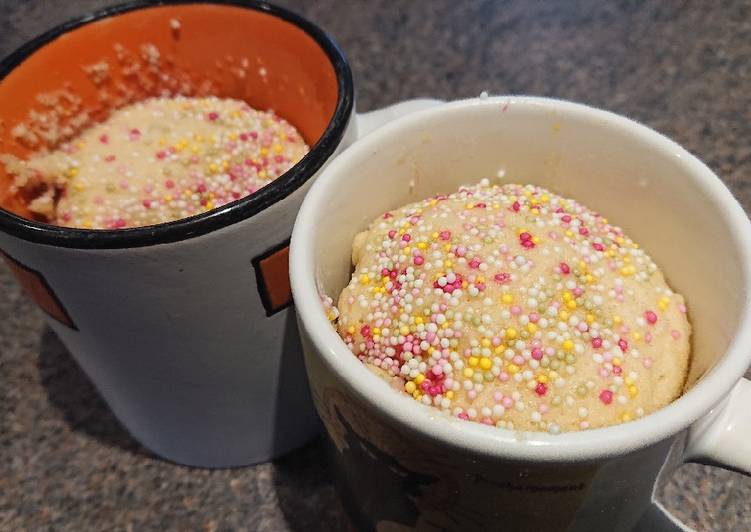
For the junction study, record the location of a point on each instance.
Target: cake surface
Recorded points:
(512, 306)
(159, 160)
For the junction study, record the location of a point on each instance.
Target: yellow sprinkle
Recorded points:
(571, 305)
(430, 350)
(473, 361)
(434, 235)
(617, 319)
(512, 368)
(364, 279)
(542, 378)
(616, 361)
(419, 378)
(422, 245)
(168, 198)
(87, 224)
(563, 315)
(419, 320)
(78, 186)
(233, 136)
(569, 233)
(449, 263)
(407, 250)
(351, 329)
(590, 318)
(589, 278)
(507, 298)
(568, 345)
(535, 239)
(450, 394)
(626, 417)
(468, 372)
(213, 168)
(567, 296)
(485, 342)
(376, 330)
(499, 350)
(264, 151)
(410, 387)
(209, 205)
(544, 198)
(416, 394)
(486, 363)
(532, 328)
(404, 330)
(636, 335)
(511, 333)
(447, 247)
(277, 148)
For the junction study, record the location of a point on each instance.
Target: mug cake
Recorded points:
(512, 306)
(156, 161)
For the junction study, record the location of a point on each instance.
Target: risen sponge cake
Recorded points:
(512, 306)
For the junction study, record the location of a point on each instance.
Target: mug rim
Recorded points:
(229, 214)
(493, 441)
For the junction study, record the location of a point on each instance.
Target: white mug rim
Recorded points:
(492, 441)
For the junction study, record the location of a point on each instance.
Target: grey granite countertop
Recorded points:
(683, 68)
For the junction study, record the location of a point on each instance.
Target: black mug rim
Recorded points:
(229, 214)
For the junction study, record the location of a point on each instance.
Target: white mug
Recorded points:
(403, 465)
(185, 328)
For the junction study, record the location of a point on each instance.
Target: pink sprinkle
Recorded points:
(617, 370)
(603, 373)
(503, 376)
(566, 218)
(606, 396)
(623, 344)
(501, 277)
(66, 217)
(104, 138)
(161, 154)
(534, 317)
(134, 134)
(472, 395)
(537, 353)
(583, 327)
(541, 389)
(516, 310)
(597, 342)
(565, 269)
(120, 222)
(169, 183)
(578, 291)
(437, 370)
(463, 415)
(213, 115)
(682, 308)
(406, 237)
(497, 396)
(676, 334)
(507, 402)
(647, 362)
(651, 317)
(474, 263)
(146, 203)
(518, 360)
(516, 206)
(596, 245)
(392, 234)
(584, 231)
(418, 260)
(444, 235)
(487, 421)
(648, 337)
(543, 408)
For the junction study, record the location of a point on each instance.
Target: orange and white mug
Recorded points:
(185, 327)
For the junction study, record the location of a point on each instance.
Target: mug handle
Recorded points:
(368, 122)
(722, 438)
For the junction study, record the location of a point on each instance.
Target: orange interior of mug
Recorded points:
(190, 49)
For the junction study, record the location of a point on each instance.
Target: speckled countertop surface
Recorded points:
(683, 68)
